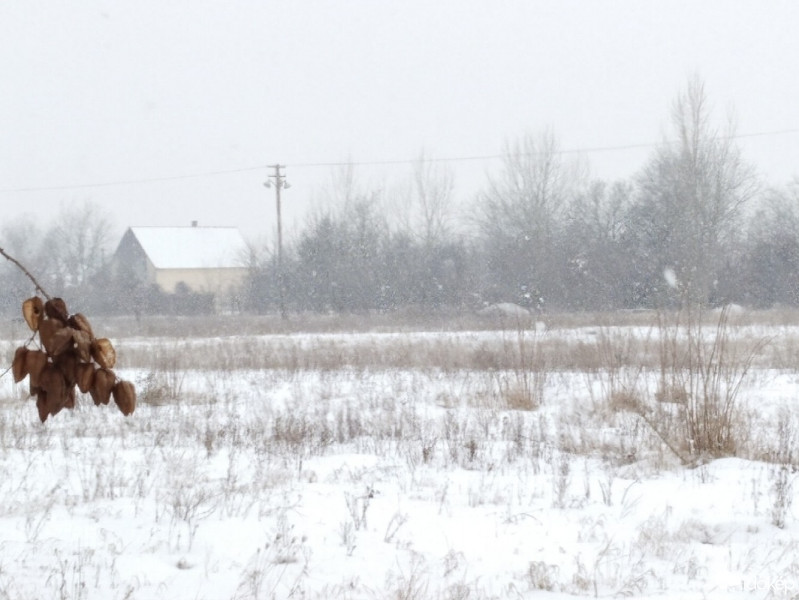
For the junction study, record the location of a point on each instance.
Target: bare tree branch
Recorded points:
(27, 273)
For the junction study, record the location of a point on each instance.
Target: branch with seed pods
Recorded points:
(70, 357)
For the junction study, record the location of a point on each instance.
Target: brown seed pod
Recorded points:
(60, 341)
(70, 401)
(41, 405)
(52, 382)
(81, 323)
(103, 353)
(56, 403)
(18, 365)
(125, 397)
(47, 329)
(100, 391)
(83, 344)
(67, 364)
(85, 377)
(35, 361)
(33, 311)
(56, 308)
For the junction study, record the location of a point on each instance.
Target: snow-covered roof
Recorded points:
(192, 247)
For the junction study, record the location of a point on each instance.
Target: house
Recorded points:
(197, 259)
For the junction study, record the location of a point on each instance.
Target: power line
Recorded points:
(486, 157)
(373, 163)
(80, 186)
(585, 150)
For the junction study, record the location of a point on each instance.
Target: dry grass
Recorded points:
(679, 374)
(682, 376)
(579, 341)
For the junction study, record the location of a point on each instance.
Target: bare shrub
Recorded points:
(620, 370)
(357, 507)
(542, 576)
(522, 388)
(411, 583)
(269, 573)
(163, 383)
(701, 372)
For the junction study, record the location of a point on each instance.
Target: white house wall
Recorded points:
(222, 282)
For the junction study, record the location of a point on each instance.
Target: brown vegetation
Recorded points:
(72, 358)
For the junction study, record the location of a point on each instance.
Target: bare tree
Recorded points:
(532, 191)
(431, 201)
(519, 216)
(593, 242)
(771, 265)
(345, 190)
(78, 243)
(693, 191)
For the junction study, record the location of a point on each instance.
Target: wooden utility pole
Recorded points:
(279, 183)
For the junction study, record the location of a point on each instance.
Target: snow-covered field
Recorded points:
(396, 465)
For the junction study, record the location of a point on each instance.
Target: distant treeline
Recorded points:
(694, 223)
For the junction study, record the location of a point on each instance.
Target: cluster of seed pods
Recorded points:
(70, 357)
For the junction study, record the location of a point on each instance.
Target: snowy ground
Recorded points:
(244, 474)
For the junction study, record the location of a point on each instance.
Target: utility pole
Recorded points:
(279, 183)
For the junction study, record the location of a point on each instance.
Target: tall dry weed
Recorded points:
(701, 372)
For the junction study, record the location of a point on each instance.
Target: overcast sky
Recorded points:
(125, 93)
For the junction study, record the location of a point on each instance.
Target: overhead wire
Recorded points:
(372, 163)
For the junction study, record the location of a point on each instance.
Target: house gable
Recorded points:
(131, 260)
(205, 259)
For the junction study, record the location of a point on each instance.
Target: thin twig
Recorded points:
(663, 438)
(24, 270)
